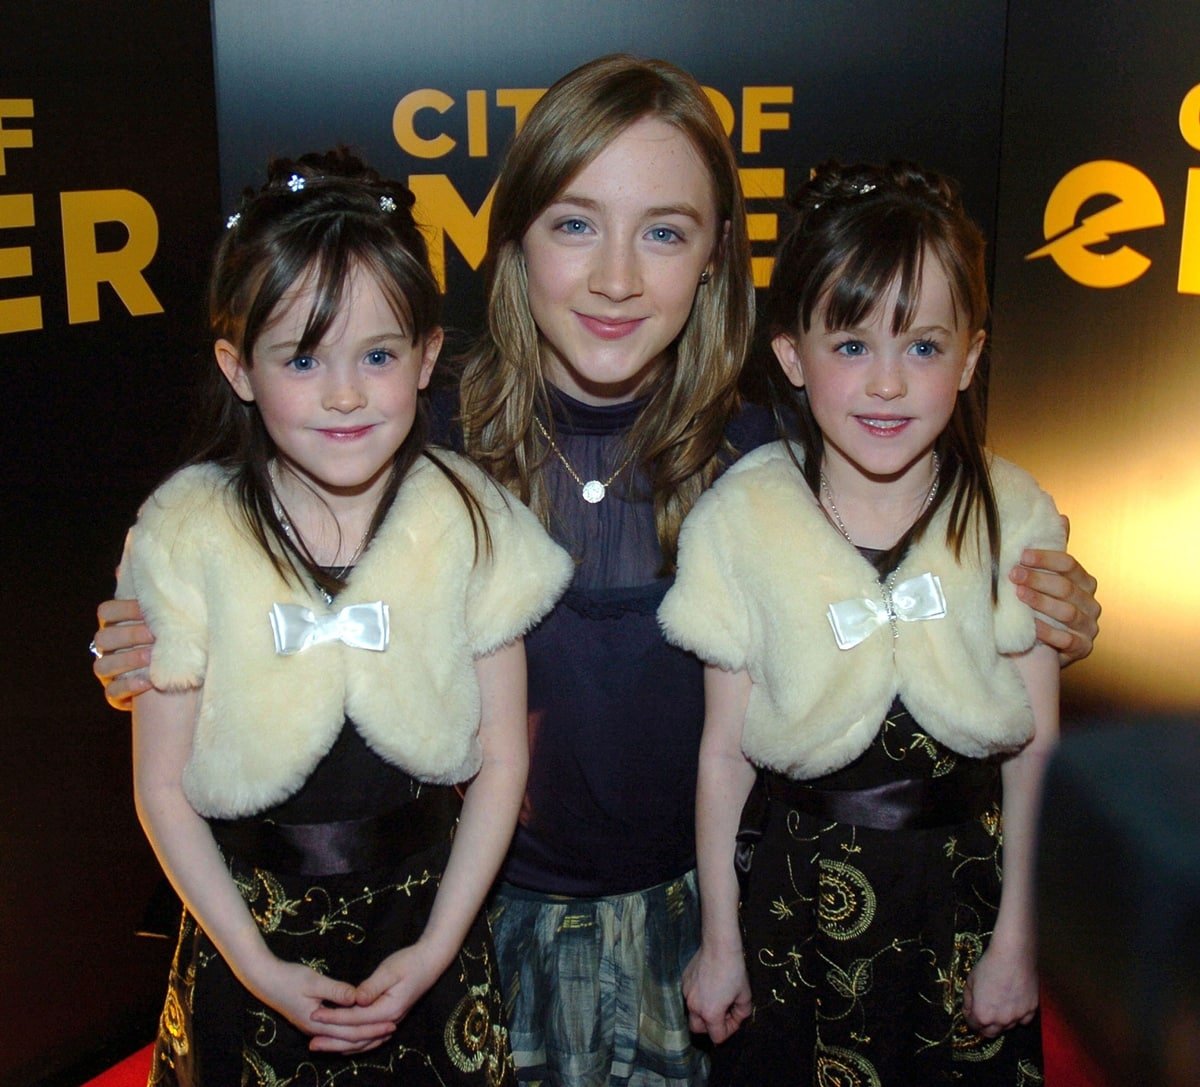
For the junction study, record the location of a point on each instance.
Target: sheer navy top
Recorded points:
(615, 713)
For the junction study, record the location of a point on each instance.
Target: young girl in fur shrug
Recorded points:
(878, 710)
(337, 613)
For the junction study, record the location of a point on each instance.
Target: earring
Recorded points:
(706, 275)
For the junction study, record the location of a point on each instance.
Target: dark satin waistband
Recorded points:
(905, 804)
(349, 845)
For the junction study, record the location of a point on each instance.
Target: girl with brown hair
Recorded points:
(876, 694)
(338, 612)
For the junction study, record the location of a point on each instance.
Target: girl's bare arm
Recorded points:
(162, 741)
(715, 983)
(1002, 990)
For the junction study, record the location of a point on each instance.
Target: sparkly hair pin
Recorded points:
(233, 220)
(295, 183)
(854, 188)
(386, 203)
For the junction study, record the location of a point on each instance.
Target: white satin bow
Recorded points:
(360, 626)
(911, 601)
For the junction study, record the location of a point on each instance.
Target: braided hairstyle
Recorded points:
(856, 232)
(317, 219)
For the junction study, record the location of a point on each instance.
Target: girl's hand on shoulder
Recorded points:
(388, 994)
(716, 988)
(124, 641)
(1001, 991)
(1053, 583)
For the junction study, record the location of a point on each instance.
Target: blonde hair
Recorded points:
(678, 438)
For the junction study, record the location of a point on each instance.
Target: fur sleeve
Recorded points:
(1028, 518)
(163, 569)
(519, 579)
(705, 611)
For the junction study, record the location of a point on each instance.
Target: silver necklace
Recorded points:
(827, 491)
(593, 490)
(286, 524)
(340, 574)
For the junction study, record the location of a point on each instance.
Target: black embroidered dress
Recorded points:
(859, 940)
(342, 925)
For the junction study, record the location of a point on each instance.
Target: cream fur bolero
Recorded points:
(266, 720)
(759, 567)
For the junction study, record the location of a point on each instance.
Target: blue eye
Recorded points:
(573, 226)
(665, 234)
(852, 348)
(379, 357)
(925, 349)
(302, 363)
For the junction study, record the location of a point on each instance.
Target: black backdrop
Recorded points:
(122, 101)
(858, 79)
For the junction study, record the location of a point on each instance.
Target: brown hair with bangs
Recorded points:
(321, 216)
(857, 231)
(678, 438)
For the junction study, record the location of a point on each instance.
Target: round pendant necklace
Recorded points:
(593, 490)
(827, 491)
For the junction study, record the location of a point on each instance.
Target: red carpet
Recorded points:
(131, 1072)
(1066, 1064)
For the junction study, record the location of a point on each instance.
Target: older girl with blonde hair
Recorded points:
(620, 311)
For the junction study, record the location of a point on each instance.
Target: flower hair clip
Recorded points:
(386, 203)
(233, 220)
(295, 183)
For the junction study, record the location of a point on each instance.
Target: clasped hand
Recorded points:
(300, 995)
(378, 1004)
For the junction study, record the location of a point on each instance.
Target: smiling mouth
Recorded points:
(346, 434)
(883, 426)
(609, 330)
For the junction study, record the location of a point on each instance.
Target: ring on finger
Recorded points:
(95, 650)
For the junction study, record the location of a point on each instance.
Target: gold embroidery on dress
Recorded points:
(854, 982)
(267, 1030)
(267, 1046)
(468, 1030)
(265, 1075)
(277, 905)
(271, 907)
(173, 1022)
(837, 1067)
(1029, 1075)
(473, 1040)
(830, 956)
(846, 900)
(894, 746)
(308, 1073)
